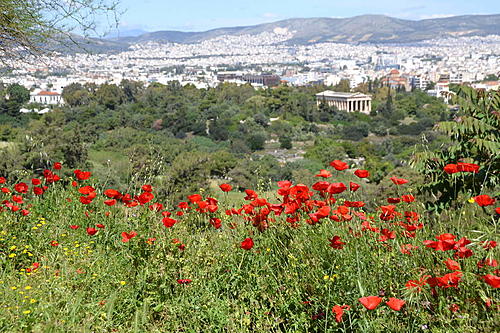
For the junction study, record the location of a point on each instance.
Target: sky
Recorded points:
(201, 15)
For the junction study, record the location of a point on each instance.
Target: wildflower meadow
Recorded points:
(80, 256)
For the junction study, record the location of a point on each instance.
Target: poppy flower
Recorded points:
(484, 200)
(168, 222)
(145, 197)
(487, 262)
(225, 187)
(147, 188)
(247, 244)
(450, 168)
(36, 181)
(362, 173)
(37, 190)
(324, 173)
(100, 225)
(454, 307)
(184, 281)
(395, 303)
(467, 167)
(399, 181)
(21, 188)
(338, 311)
(336, 243)
(86, 190)
(57, 166)
(194, 198)
(110, 193)
(127, 236)
(54, 243)
(370, 302)
(82, 175)
(490, 245)
(110, 202)
(3, 180)
(452, 265)
(25, 212)
(492, 280)
(393, 200)
(336, 188)
(91, 231)
(339, 165)
(408, 198)
(74, 227)
(353, 187)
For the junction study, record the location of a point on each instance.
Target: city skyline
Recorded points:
(194, 15)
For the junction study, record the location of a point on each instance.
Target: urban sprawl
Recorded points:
(267, 60)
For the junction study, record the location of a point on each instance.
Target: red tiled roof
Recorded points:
(48, 93)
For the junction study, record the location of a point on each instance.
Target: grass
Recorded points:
(288, 282)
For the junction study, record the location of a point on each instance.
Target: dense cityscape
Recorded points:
(230, 58)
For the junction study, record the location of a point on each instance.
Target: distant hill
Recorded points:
(358, 29)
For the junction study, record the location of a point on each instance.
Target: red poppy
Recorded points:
(467, 167)
(324, 173)
(399, 181)
(370, 302)
(145, 197)
(490, 245)
(408, 198)
(100, 225)
(492, 280)
(247, 244)
(25, 212)
(37, 190)
(82, 175)
(147, 188)
(110, 193)
(393, 200)
(362, 173)
(3, 180)
(225, 187)
(339, 165)
(184, 281)
(110, 202)
(86, 190)
(57, 166)
(484, 200)
(452, 265)
(168, 222)
(74, 227)
(395, 303)
(91, 231)
(335, 188)
(336, 243)
(54, 243)
(454, 307)
(353, 186)
(445, 242)
(194, 198)
(338, 311)
(216, 222)
(487, 262)
(21, 188)
(127, 236)
(36, 181)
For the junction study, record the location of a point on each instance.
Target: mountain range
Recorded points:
(359, 29)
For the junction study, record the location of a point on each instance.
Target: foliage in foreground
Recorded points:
(79, 256)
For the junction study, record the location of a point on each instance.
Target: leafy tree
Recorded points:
(29, 26)
(473, 138)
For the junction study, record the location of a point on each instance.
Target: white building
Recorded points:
(346, 101)
(47, 97)
(441, 90)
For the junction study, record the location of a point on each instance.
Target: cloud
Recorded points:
(270, 15)
(435, 16)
